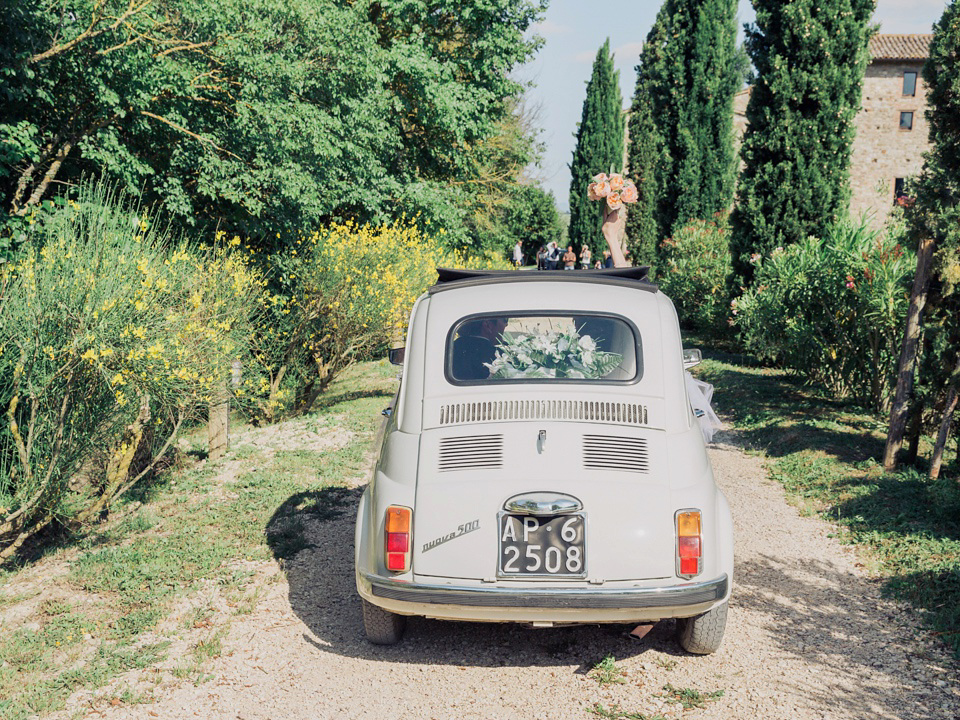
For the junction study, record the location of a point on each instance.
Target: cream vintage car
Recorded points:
(541, 464)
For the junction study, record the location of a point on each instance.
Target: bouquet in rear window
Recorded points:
(614, 188)
(551, 354)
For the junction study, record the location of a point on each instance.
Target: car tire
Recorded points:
(702, 634)
(382, 626)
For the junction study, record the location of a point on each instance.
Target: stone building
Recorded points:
(891, 127)
(892, 130)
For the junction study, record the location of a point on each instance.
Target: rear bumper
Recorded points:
(553, 604)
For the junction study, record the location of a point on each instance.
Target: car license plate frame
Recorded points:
(530, 545)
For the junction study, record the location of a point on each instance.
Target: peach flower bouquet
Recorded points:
(615, 188)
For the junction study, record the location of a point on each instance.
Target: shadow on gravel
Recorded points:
(816, 613)
(287, 531)
(923, 517)
(311, 535)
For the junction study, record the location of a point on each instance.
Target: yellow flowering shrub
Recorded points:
(110, 339)
(342, 295)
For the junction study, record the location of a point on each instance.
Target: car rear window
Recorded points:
(543, 348)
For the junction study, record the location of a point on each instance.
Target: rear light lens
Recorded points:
(397, 538)
(689, 543)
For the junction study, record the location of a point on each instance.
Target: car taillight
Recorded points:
(397, 540)
(689, 547)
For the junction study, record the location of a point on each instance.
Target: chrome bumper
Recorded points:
(558, 598)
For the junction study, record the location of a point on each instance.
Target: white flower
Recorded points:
(551, 354)
(542, 344)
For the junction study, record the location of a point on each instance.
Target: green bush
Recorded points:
(110, 339)
(694, 265)
(832, 310)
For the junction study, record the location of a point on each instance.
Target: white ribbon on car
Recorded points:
(701, 395)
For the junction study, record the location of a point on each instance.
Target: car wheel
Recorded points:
(382, 627)
(702, 634)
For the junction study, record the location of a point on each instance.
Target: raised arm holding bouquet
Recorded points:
(614, 190)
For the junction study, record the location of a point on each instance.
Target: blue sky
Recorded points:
(574, 30)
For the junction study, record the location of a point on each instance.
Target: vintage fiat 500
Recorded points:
(541, 464)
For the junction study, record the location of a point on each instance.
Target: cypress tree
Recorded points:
(706, 158)
(810, 59)
(599, 148)
(689, 71)
(645, 156)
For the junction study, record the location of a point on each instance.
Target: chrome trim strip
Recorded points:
(560, 598)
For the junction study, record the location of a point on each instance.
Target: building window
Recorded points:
(910, 83)
(906, 121)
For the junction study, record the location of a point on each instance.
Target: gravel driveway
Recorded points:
(808, 637)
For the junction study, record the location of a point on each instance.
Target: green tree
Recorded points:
(475, 208)
(447, 68)
(454, 109)
(934, 225)
(532, 218)
(599, 148)
(246, 113)
(810, 59)
(645, 157)
(258, 115)
(689, 71)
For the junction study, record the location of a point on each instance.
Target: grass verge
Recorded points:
(827, 456)
(194, 539)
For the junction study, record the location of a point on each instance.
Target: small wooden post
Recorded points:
(218, 425)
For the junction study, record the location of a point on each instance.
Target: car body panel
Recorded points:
(611, 499)
(630, 452)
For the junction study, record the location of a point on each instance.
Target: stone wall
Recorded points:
(881, 150)
(740, 101)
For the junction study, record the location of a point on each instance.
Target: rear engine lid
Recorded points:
(617, 475)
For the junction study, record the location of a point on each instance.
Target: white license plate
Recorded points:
(542, 546)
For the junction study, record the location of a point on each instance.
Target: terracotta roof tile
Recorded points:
(900, 47)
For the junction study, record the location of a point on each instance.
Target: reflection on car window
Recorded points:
(542, 347)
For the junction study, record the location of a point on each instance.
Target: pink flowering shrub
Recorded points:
(832, 310)
(693, 269)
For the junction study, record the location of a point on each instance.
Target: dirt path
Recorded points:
(808, 637)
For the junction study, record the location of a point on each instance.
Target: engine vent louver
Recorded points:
(471, 453)
(607, 452)
(610, 412)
